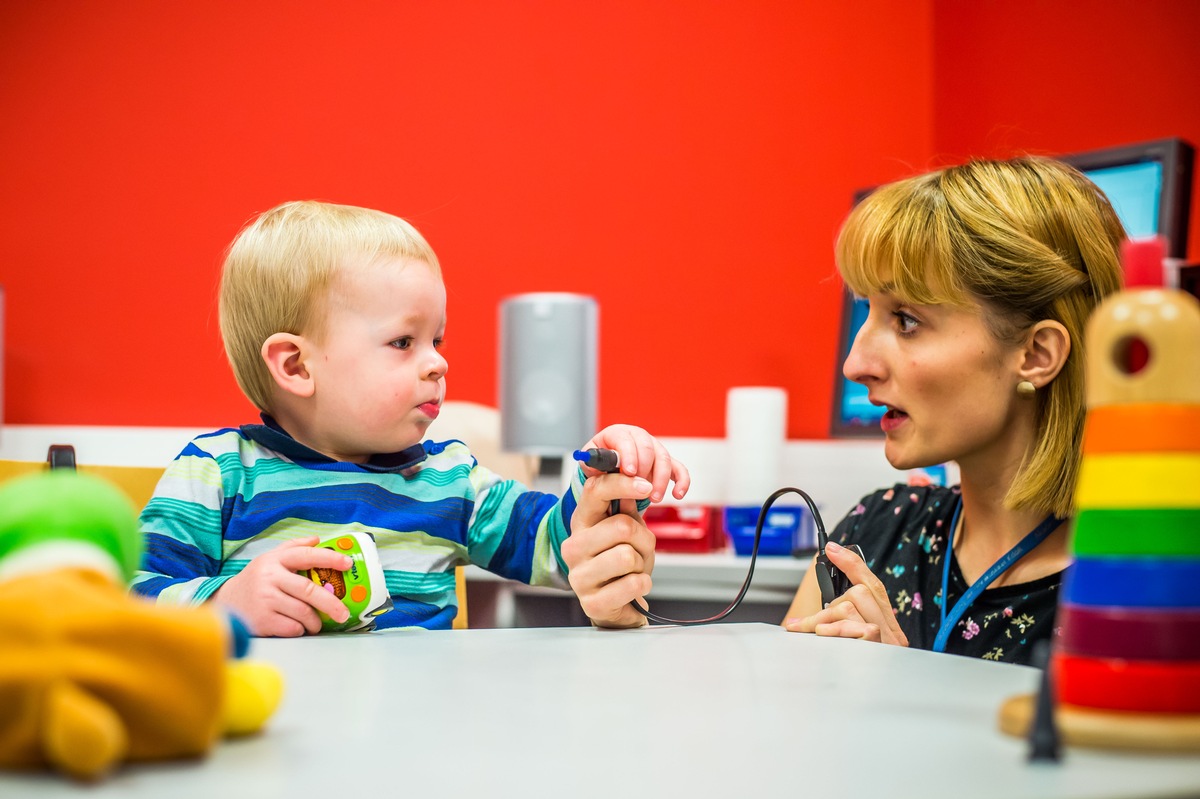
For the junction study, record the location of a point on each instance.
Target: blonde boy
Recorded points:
(333, 318)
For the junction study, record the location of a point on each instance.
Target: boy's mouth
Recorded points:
(431, 409)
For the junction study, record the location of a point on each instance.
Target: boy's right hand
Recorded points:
(274, 600)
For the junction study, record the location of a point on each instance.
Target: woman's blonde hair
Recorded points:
(279, 267)
(1027, 239)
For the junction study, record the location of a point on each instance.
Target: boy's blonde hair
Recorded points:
(1028, 239)
(279, 267)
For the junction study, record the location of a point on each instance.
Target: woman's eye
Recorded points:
(906, 322)
(402, 343)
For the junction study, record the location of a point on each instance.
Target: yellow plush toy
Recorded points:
(90, 676)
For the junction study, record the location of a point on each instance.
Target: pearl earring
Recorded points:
(1026, 389)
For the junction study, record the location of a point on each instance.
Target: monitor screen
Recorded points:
(1150, 187)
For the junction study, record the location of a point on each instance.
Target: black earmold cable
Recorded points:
(762, 516)
(600, 459)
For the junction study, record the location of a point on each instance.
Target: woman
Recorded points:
(980, 278)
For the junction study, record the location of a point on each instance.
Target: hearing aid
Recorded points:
(832, 580)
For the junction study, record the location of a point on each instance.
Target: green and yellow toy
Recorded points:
(361, 587)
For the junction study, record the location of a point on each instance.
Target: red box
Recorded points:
(685, 528)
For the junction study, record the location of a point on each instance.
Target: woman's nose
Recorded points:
(863, 363)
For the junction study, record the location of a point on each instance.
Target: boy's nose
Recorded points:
(438, 365)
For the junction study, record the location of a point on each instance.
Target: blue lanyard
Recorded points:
(1039, 534)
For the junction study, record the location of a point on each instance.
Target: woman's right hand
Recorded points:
(862, 612)
(273, 599)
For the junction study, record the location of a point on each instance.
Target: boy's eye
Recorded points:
(437, 343)
(402, 343)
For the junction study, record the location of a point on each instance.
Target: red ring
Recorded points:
(1134, 685)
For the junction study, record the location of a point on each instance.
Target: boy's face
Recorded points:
(378, 374)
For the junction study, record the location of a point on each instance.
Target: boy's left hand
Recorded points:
(642, 455)
(611, 558)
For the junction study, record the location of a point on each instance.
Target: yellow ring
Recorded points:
(1166, 480)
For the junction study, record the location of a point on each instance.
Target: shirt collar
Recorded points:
(274, 437)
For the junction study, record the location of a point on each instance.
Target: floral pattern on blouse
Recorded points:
(902, 532)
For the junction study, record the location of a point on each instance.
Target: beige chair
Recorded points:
(478, 426)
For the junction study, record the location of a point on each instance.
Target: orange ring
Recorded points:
(1142, 427)
(1139, 686)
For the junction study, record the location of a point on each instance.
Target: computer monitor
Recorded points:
(1150, 187)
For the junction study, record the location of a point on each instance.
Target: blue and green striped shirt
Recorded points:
(236, 493)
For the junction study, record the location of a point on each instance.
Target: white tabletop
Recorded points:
(738, 710)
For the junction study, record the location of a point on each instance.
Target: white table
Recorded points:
(689, 583)
(740, 710)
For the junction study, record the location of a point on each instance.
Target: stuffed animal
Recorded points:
(91, 676)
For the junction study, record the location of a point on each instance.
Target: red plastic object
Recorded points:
(685, 528)
(1142, 262)
(1138, 686)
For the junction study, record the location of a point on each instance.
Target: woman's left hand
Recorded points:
(862, 612)
(610, 557)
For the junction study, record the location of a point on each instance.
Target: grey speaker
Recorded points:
(548, 372)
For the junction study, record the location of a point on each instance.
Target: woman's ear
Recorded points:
(1045, 353)
(285, 355)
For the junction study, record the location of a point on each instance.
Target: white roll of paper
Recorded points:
(755, 432)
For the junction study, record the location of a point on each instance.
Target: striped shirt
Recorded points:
(236, 493)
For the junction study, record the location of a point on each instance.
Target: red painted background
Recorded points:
(687, 163)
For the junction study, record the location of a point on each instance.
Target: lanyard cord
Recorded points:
(1023, 547)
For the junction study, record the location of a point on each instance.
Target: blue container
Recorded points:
(785, 530)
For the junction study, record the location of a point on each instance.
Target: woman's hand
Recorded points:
(273, 599)
(610, 557)
(862, 612)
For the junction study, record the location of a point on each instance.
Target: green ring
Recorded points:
(1165, 532)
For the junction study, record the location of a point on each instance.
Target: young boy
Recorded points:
(333, 318)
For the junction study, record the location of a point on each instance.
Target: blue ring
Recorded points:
(1134, 582)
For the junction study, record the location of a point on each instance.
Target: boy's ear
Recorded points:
(285, 355)
(1045, 353)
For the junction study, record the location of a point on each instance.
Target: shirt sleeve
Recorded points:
(518, 533)
(182, 531)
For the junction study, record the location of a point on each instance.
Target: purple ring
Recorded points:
(1129, 633)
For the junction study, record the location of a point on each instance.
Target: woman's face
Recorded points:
(948, 384)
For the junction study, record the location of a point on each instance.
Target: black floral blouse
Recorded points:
(902, 532)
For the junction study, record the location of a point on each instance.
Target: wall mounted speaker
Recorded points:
(548, 372)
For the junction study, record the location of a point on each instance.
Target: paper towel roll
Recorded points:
(755, 432)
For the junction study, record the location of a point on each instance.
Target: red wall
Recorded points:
(686, 163)
(1049, 78)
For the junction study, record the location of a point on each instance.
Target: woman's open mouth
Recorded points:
(892, 419)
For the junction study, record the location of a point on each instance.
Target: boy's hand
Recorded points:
(642, 455)
(272, 599)
(610, 558)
